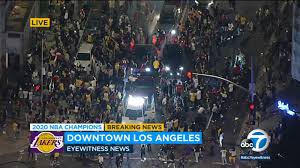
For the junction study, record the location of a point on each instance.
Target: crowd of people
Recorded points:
(72, 95)
(67, 89)
(198, 35)
(69, 94)
(277, 58)
(202, 96)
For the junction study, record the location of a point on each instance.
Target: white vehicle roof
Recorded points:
(85, 48)
(134, 107)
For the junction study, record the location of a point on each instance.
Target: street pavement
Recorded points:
(13, 153)
(255, 45)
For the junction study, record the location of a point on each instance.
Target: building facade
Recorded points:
(15, 33)
(295, 59)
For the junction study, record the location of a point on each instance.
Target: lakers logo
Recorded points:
(46, 142)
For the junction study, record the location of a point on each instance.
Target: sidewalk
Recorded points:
(11, 145)
(273, 120)
(260, 82)
(261, 77)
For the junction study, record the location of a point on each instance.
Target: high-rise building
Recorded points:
(295, 59)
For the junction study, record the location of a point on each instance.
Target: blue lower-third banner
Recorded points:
(130, 138)
(98, 148)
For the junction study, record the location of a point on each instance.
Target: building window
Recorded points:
(13, 35)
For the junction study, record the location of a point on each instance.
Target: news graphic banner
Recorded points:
(95, 127)
(130, 138)
(98, 148)
(102, 138)
(257, 141)
(47, 142)
(40, 127)
(135, 127)
(39, 22)
(50, 142)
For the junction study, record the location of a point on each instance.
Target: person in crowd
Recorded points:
(221, 138)
(30, 153)
(100, 160)
(223, 155)
(119, 160)
(143, 152)
(15, 129)
(197, 152)
(182, 162)
(149, 148)
(171, 160)
(232, 156)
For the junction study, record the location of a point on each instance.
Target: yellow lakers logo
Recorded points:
(46, 142)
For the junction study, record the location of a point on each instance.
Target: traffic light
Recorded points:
(154, 39)
(252, 113)
(189, 75)
(37, 88)
(251, 107)
(132, 44)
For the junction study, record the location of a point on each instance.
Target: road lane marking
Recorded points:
(220, 163)
(210, 118)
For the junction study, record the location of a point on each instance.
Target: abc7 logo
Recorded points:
(247, 143)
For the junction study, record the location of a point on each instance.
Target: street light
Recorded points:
(181, 68)
(173, 32)
(147, 69)
(42, 79)
(178, 10)
(218, 77)
(171, 74)
(157, 17)
(167, 68)
(178, 74)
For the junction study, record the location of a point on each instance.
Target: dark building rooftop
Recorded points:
(18, 16)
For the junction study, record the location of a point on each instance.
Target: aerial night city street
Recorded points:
(149, 83)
